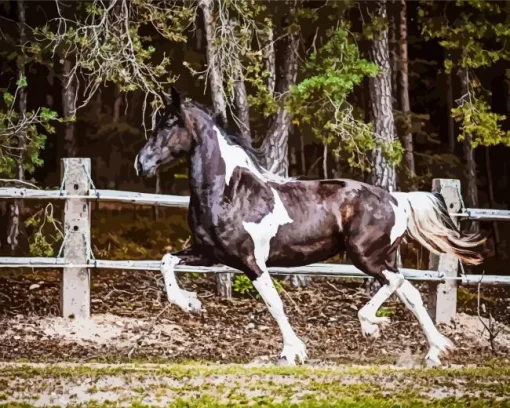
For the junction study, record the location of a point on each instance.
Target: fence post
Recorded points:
(224, 285)
(75, 285)
(442, 302)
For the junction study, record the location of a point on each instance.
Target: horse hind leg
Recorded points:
(370, 322)
(390, 280)
(412, 299)
(438, 343)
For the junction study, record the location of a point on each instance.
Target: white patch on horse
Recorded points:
(235, 156)
(401, 211)
(261, 234)
(438, 343)
(263, 231)
(187, 301)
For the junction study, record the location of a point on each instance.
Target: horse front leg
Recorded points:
(293, 346)
(187, 301)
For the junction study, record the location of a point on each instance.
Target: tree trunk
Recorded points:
(381, 112)
(383, 173)
(51, 82)
(215, 77)
(16, 207)
(157, 190)
(490, 187)
(405, 104)
(325, 161)
(469, 156)
(243, 109)
(270, 59)
(117, 104)
(293, 161)
(199, 36)
(393, 48)
(303, 153)
(451, 122)
(275, 144)
(223, 280)
(68, 109)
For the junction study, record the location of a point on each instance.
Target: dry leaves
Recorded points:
(125, 305)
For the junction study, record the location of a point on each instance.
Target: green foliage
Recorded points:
(385, 312)
(476, 38)
(48, 232)
(243, 30)
(39, 246)
(22, 82)
(106, 41)
(16, 130)
(320, 101)
(244, 286)
(479, 123)
(373, 30)
(467, 31)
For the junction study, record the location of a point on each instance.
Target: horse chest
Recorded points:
(242, 223)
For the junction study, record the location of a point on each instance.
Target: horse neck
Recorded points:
(206, 167)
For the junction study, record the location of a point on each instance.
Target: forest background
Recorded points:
(394, 93)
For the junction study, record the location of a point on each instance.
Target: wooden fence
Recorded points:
(77, 189)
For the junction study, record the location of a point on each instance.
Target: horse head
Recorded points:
(170, 139)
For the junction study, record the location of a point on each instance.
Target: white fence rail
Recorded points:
(317, 270)
(443, 275)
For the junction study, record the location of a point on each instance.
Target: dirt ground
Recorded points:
(132, 321)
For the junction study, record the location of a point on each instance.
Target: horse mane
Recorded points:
(253, 153)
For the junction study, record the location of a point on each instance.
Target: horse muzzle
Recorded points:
(143, 170)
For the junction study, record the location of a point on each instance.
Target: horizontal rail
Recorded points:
(167, 200)
(323, 270)
(7, 192)
(164, 200)
(483, 214)
(495, 280)
(312, 269)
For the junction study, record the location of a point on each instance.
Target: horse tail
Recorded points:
(429, 223)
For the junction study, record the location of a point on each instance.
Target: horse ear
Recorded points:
(176, 98)
(164, 97)
(176, 105)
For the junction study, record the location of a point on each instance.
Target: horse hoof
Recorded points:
(283, 362)
(370, 330)
(432, 361)
(444, 345)
(291, 351)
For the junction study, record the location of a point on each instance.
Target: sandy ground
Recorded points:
(133, 320)
(145, 351)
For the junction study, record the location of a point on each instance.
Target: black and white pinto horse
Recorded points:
(245, 217)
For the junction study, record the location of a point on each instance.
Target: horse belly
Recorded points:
(296, 245)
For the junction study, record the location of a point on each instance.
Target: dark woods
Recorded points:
(390, 92)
